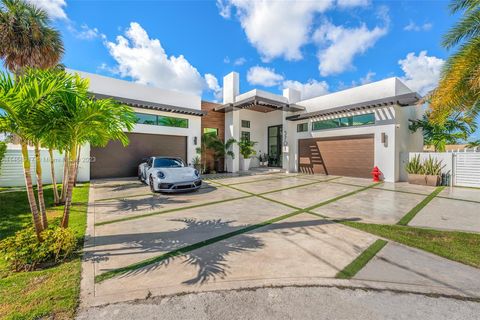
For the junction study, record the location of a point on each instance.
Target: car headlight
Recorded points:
(160, 175)
(196, 172)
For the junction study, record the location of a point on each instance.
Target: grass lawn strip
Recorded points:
(170, 210)
(412, 213)
(458, 246)
(361, 261)
(181, 251)
(52, 292)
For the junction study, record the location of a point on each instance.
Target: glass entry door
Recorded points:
(275, 146)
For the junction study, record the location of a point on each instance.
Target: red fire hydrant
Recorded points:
(376, 173)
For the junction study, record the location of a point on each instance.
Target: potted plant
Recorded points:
(415, 171)
(428, 173)
(432, 168)
(247, 151)
(263, 159)
(221, 150)
(197, 163)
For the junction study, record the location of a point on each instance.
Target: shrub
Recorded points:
(3, 150)
(414, 166)
(432, 167)
(23, 252)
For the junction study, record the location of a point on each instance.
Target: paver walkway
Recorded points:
(252, 231)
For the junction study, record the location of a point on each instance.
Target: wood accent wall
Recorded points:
(216, 120)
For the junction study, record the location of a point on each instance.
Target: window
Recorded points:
(144, 118)
(152, 119)
(211, 131)
(245, 124)
(302, 127)
(168, 163)
(352, 121)
(245, 135)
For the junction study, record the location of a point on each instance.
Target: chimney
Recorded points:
(292, 95)
(231, 87)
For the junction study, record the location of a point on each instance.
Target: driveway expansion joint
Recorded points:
(412, 213)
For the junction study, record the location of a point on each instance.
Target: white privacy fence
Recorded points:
(11, 171)
(461, 167)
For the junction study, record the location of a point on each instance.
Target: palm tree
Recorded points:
(455, 129)
(83, 119)
(23, 101)
(221, 149)
(473, 144)
(459, 86)
(26, 38)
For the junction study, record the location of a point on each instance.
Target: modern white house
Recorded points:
(342, 133)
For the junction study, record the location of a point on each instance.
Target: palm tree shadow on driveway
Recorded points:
(210, 260)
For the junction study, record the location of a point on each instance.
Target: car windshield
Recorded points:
(167, 163)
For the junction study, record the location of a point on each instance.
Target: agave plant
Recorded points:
(414, 166)
(432, 167)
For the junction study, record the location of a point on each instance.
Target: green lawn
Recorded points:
(49, 293)
(463, 247)
(356, 265)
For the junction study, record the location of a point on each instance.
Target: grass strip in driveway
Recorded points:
(412, 213)
(169, 210)
(181, 251)
(361, 261)
(458, 246)
(186, 249)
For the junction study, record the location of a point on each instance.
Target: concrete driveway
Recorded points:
(254, 231)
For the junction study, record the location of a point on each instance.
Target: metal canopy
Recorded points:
(153, 106)
(401, 100)
(260, 104)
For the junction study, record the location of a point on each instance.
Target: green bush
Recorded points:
(414, 166)
(23, 252)
(432, 167)
(3, 150)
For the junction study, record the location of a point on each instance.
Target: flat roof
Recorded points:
(153, 105)
(403, 100)
(259, 103)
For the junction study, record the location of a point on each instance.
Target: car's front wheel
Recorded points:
(152, 188)
(140, 175)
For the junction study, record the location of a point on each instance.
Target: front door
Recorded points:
(275, 146)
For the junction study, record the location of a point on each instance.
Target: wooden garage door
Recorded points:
(344, 156)
(115, 160)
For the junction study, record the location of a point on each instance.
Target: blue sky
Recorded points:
(314, 46)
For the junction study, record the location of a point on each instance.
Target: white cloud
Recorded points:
(275, 28)
(368, 77)
(263, 76)
(86, 33)
(412, 26)
(239, 61)
(226, 60)
(339, 45)
(212, 83)
(312, 88)
(352, 3)
(54, 8)
(145, 61)
(422, 72)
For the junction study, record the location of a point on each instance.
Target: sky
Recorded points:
(313, 46)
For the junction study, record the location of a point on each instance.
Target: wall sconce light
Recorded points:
(195, 141)
(384, 139)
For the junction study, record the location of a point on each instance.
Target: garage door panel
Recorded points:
(349, 156)
(115, 160)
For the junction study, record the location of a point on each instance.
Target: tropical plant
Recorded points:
(455, 129)
(473, 144)
(24, 101)
(246, 148)
(459, 85)
(432, 167)
(221, 149)
(414, 166)
(204, 147)
(83, 119)
(26, 37)
(3, 150)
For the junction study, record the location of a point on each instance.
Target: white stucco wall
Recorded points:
(11, 172)
(386, 155)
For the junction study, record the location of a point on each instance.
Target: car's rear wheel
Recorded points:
(151, 184)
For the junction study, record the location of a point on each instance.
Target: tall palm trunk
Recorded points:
(41, 200)
(76, 166)
(70, 185)
(56, 197)
(37, 222)
(65, 178)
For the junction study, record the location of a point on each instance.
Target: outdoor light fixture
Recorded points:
(195, 141)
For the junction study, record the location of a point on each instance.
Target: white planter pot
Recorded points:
(245, 164)
(229, 165)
